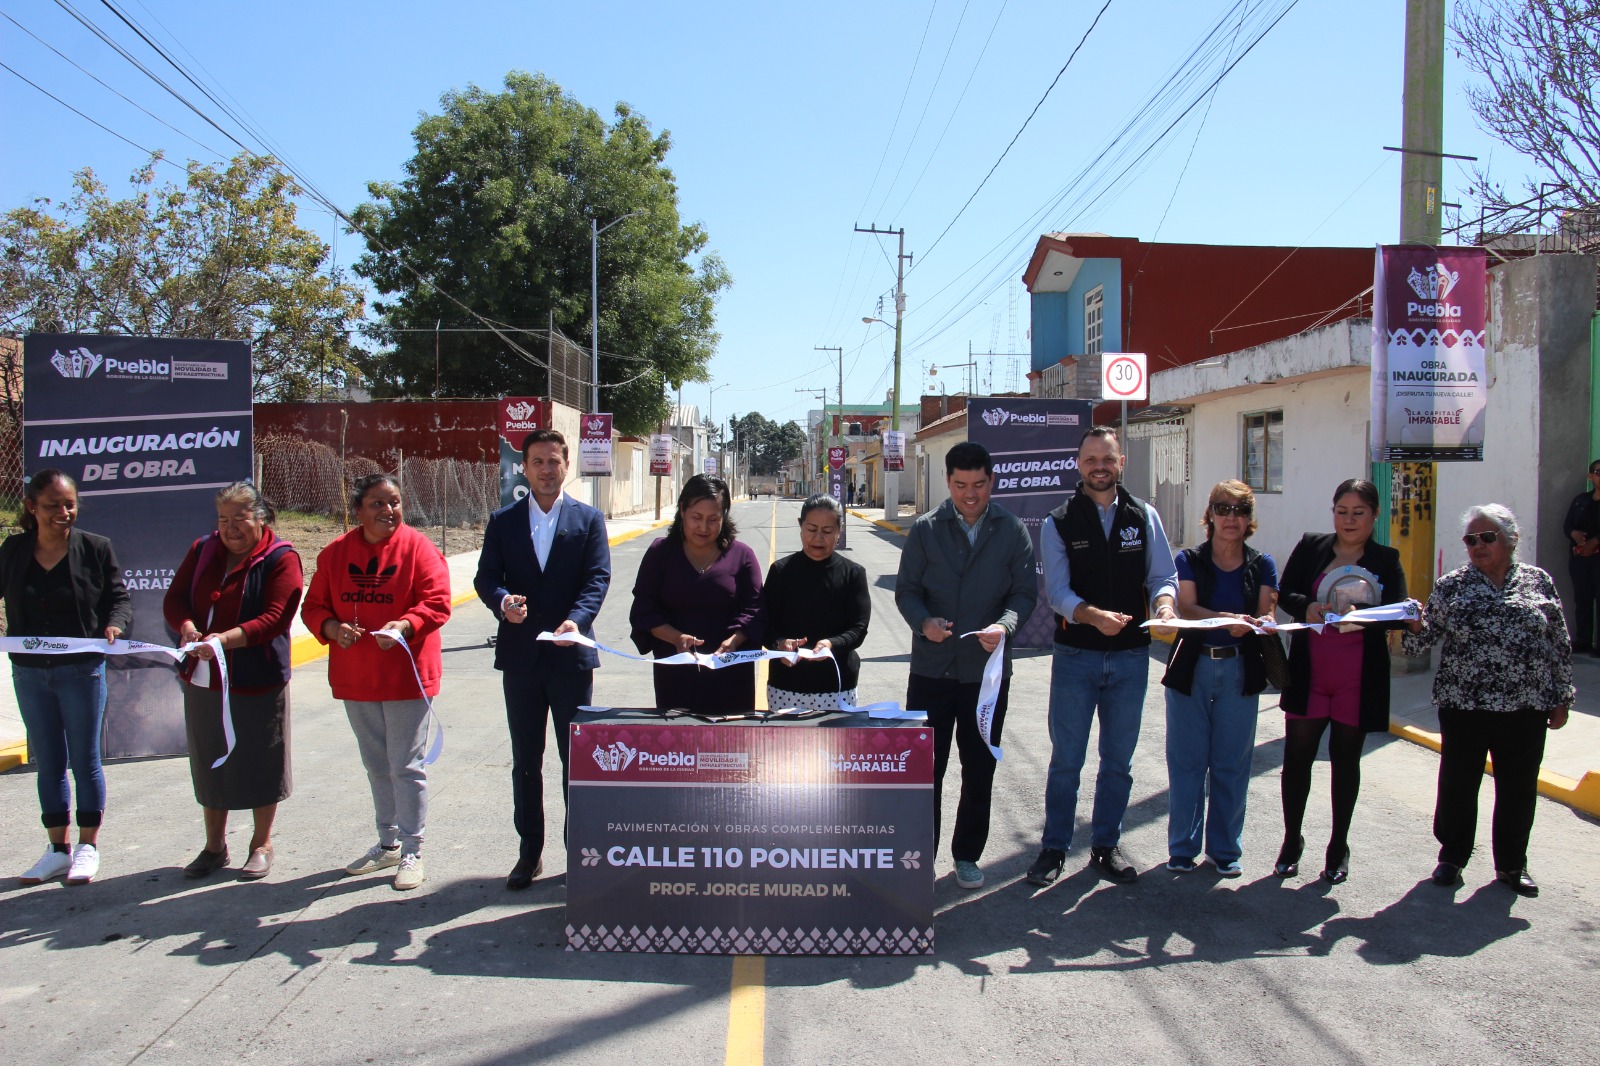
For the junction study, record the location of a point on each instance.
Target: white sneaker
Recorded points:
(85, 864)
(377, 857)
(411, 874)
(54, 864)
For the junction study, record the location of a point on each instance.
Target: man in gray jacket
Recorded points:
(967, 566)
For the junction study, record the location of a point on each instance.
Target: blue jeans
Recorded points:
(1080, 682)
(63, 706)
(1211, 738)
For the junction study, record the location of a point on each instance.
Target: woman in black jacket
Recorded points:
(62, 582)
(1340, 674)
(816, 599)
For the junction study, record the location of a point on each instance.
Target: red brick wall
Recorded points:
(426, 429)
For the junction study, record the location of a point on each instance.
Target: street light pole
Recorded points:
(595, 229)
(891, 478)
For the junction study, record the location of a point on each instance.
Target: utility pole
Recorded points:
(1412, 486)
(891, 478)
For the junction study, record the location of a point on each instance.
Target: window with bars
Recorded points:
(1093, 320)
(1263, 451)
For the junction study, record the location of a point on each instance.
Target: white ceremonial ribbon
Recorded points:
(96, 646)
(887, 710)
(989, 691)
(1387, 612)
(436, 746)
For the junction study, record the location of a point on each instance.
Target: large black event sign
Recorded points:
(150, 429)
(1034, 444)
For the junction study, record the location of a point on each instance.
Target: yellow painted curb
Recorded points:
(1582, 795)
(13, 753)
(880, 523)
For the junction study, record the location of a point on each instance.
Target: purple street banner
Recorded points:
(760, 840)
(1430, 384)
(150, 428)
(660, 455)
(519, 416)
(594, 445)
(1034, 445)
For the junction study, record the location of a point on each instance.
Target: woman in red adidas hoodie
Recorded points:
(381, 584)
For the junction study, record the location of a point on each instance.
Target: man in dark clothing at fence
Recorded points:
(545, 565)
(1582, 527)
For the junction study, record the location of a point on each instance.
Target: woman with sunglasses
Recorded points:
(1504, 679)
(1339, 675)
(1214, 680)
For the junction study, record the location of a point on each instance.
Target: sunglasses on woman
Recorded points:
(1223, 510)
(1488, 537)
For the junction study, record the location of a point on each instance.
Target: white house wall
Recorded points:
(1324, 440)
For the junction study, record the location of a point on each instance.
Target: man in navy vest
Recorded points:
(545, 565)
(1107, 564)
(967, 567)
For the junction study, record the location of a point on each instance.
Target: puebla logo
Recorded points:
(78, 363)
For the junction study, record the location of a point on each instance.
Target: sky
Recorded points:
(791, 125)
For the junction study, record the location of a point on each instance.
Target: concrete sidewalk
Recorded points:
(305, 647)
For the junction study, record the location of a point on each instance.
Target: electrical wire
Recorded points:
(86, 118)
(926, 104)
(895, 126)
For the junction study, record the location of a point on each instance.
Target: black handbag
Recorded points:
(1275, 660)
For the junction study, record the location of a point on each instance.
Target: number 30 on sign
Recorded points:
(1123, 376)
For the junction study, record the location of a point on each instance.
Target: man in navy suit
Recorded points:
(545, 565)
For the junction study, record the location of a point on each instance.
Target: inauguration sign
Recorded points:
(519, 416)
(150, 429)
(1430, 385)
(594, 446)
(770, 840)
(1034, 445)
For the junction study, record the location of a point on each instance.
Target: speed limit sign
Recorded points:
(1123, 376)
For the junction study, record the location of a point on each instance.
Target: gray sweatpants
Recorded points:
(391, 735)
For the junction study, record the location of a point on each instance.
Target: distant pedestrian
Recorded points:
(1504, 680)
(396, 577)
(1107, 568)
(1582, 527)
(967, 566)
(59, 581)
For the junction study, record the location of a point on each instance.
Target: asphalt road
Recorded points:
(312, 967)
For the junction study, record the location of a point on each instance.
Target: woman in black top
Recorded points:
(62, 582)
(816, 599)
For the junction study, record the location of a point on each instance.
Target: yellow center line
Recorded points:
(747, 996)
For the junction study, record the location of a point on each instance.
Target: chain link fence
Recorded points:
(303, 475)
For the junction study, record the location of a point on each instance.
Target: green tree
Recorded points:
(492, 222)
(1539, 65)
(219, 256)
(769, 444)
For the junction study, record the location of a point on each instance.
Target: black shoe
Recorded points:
(1519, 881)
(1447, 874)
(1047, 867)
(1337, 873)
(523, 873)
(1288, 863)
(1112, 863)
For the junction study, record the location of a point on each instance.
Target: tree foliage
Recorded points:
(219, 256)
(769, 444)
(494, 214)
(1539, 61)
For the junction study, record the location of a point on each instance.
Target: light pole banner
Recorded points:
(519, 416)
(660, 455)
(594, 446)
(150, 429)
(1430, 385)
(1034, 446)
(894, 449)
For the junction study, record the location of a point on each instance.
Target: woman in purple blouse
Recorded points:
(699, 589)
